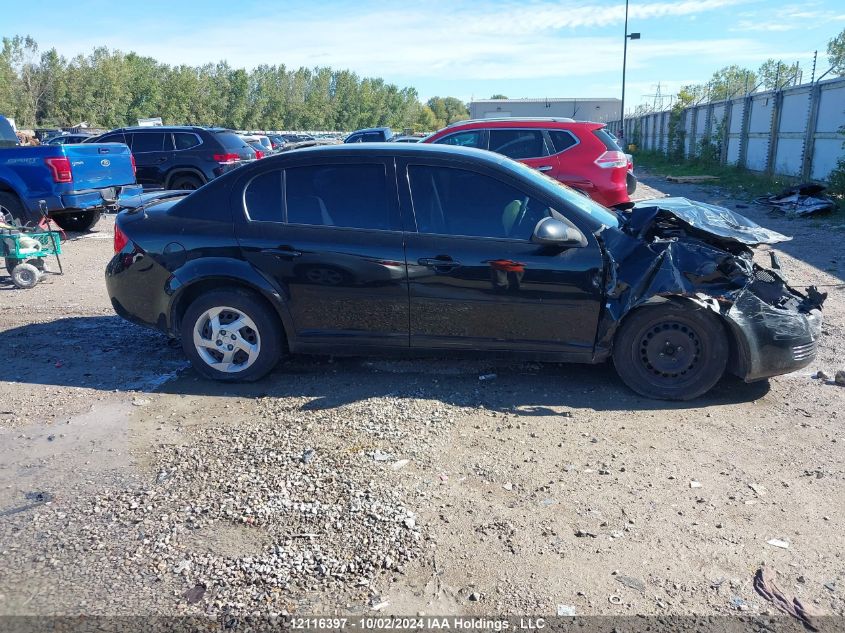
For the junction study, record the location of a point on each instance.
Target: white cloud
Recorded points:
(790, 17)
(457, 41)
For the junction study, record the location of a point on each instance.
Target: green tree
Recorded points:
(775, 74)
(731, 81)
(836, 53)
(110, 88)
(448, 110)
(498, 97)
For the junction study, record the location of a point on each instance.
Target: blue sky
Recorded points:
(531, 48)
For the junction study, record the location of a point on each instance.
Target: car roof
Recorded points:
(170, 128)
(399, 150)
(543, 122)
(372, 129)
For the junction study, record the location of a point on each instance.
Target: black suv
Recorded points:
(177, 157)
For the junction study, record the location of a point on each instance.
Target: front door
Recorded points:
(476, 281)
(330, 236)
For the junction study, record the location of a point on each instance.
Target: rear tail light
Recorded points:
(611, 159)
(227, 158)
(60, 168)
(259, 154)
(132, 160)
(120, 239)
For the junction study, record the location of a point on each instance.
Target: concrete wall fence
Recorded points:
(794, 132)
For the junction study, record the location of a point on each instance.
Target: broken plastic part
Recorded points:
(674, 249)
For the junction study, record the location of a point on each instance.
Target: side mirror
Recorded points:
(553, 232)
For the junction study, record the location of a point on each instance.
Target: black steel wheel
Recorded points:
(670, 351)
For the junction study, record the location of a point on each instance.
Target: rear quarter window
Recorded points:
(185, 140)
(607, 139)
(562, 140)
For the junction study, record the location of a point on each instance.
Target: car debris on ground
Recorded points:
(800, 200)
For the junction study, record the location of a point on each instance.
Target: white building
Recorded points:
(600, 110)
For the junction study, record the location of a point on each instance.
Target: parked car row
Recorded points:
(580, 154)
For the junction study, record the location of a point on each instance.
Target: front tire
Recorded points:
(671, 352)
(231, 335)
(78, 222)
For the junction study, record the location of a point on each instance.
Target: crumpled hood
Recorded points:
(658, 217)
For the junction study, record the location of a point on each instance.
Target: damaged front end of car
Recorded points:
(674, 249)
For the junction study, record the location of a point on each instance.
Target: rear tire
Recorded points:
(10, 204)
(247, 352)
(671, 352)
(79, 222)
(185, 181)
(25, 276)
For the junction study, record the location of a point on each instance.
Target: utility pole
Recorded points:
(632, 36)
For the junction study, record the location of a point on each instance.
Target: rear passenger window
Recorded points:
(184, 140)
(263, 197)
(562, 140)
(353, 196)
(472, 138)
(147, 142)
(518, 144)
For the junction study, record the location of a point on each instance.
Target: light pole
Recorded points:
(632, 36)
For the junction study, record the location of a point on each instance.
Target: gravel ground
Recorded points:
(128, 485)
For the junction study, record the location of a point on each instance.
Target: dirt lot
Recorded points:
(348, 486)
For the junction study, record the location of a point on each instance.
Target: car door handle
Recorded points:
(545, 168)
(439, 265)
(282, 252)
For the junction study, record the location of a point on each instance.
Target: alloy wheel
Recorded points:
(226, 339)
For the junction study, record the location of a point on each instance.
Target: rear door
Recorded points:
(571, 166)
(329, 234)
(152, 151)
(476, 281)
(529, 146)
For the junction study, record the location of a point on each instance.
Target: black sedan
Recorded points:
(432, 249)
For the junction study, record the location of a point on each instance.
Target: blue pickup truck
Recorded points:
(73, 184)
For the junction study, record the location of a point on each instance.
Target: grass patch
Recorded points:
(742, 183)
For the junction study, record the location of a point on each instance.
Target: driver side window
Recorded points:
(449, 201)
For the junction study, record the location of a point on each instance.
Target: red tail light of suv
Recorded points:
(580, 154)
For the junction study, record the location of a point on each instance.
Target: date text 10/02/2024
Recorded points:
(427, 623)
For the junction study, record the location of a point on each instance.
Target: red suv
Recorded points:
(580, 154)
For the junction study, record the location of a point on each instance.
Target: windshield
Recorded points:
(572, 197)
